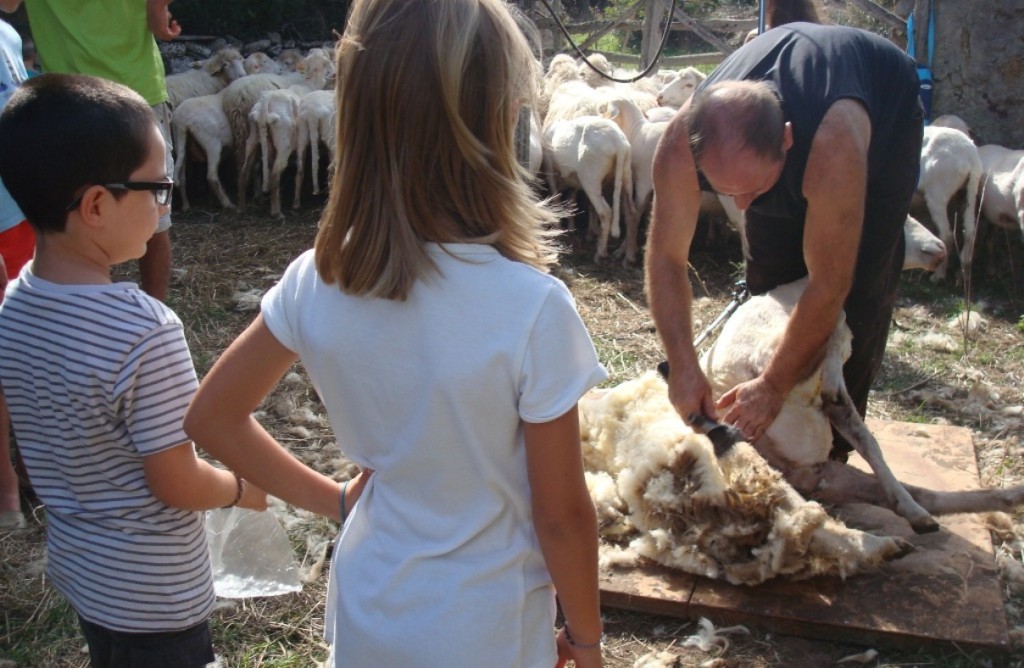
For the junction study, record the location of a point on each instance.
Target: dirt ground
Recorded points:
(223, 262)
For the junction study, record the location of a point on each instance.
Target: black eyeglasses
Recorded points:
(161, 191)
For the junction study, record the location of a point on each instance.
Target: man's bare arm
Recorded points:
(673, 221)
(835, 186)
(10, 6)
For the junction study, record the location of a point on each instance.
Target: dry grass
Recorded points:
(219, 258)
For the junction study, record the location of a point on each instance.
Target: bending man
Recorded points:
(815, 131)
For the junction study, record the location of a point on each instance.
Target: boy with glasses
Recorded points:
(98, 375)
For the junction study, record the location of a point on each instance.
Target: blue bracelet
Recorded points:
(344, 512)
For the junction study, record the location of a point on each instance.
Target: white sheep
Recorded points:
(676, 92)
(315, 124)
(661, 114)
(643, 137)
(561, 69)
(239, 98)
(258, 62)
(203, 119)
(275, 117)
(587, 153)
(924, 250)
(1002, 201)
(573, 99)
(290, 59)
(951, 121)
(950, 163)
(213, 75)
(592, 74)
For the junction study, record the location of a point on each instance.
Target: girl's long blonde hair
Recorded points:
(427, 97)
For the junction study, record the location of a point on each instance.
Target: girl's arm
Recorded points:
(219, 420)
(566, 526)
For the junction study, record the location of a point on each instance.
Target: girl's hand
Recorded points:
(351, 491)
(581, 657)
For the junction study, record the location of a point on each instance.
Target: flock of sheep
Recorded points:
(281, 106)
(588, 133)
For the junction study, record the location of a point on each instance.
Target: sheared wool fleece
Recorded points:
(662, 494)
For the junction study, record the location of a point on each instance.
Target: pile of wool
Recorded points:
(661, 494)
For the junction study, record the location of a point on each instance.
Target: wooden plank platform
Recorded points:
(944, 593)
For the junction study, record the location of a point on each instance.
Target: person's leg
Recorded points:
(17, 246)
(155, 265)
(11, 516)
(99, 641)
(190, 648)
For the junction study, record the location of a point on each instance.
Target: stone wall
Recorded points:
(979, 67)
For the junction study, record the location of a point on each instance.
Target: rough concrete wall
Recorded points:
(979, 67)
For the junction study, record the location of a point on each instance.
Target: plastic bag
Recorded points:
(251, 554)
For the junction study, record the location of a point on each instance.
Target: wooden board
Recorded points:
(944, 593)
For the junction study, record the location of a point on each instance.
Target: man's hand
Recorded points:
(690, 392)
(752, 406)
(160, 21)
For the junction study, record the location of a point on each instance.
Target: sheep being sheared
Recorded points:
(742, 516)
(656, 482)
(798, 441)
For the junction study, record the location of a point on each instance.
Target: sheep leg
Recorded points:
(314, 155)
(213, 176)
(937, 210)
(604, 215)
(838, 483)
(181, 142)
(266, 148)
(246, 166)
(970, 229)
(280, 163)
(843, 415)
(301, 139)
(631, 244)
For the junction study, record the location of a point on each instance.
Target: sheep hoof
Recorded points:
(924, 525)
(904, 547)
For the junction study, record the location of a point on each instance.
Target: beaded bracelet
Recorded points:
(579, 645)
(240, 482)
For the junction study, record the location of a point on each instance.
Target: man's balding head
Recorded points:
(733, 115)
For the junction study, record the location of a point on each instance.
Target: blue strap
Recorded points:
(931, 35)
(910, 37)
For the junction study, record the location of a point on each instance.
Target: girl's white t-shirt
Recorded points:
(438, 564)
